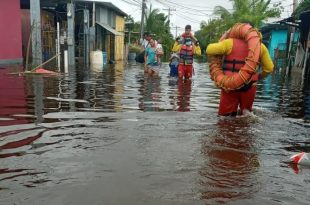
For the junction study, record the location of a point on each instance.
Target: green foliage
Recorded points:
(157, 24)
(253, 11)
(210, 32)
(134, 49)
(133, 27)
(303, 6)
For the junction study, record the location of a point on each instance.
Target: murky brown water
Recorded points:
(118, 137)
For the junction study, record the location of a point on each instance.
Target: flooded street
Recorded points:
(119, 137)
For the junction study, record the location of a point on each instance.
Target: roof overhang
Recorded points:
(109, 28)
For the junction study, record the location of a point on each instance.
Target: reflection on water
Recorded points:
(116, 89)
(38, 98)
(13, 99)
(231, 162)
(153, 98)
(151, 93)
(184, 93)
(118, 136)
(287, 95)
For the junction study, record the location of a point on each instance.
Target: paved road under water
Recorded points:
(118, 137)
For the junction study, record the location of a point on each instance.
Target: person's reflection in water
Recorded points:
(150, 100)
(184, 94)
(231, 163)
(38, 87)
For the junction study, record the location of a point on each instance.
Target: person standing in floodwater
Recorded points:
(152, 59)
(174, 64)
(235, 52)
(145, 43)
(186, 47)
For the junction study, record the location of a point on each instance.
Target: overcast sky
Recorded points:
(185, 12)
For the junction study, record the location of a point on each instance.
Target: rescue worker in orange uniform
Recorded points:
(235, 51)
(186, 46)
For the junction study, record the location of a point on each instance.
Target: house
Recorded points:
(10, 32)
(106, 32)
(110, 26)
(300, 54)
(96, 25)
(275, 37)
(304, 27)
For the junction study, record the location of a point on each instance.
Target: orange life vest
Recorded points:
(186, 54)
(236, 59)
(247, 72)
(186, 35)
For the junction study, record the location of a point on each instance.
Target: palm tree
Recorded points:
(156, 22)
(158, 25)
(303, 6)
(254, 11)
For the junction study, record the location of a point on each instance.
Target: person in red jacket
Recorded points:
(187, 46)
(235, 52)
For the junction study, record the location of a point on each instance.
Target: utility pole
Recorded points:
(86, 37)
(142, 19)
(70, 38)
(35, 18)
(169, 14)
(295, 4)
(176, 30)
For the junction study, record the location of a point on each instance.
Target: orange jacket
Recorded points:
(225, 47)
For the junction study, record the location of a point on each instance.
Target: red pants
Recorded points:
(185, 71)
(230, 101)
(184, 95)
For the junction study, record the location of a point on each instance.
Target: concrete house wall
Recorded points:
(278, 41)
(120, 40)
(110, 40)
(10, 32)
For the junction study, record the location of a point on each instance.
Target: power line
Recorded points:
(191, 7)
(132, 2)
(142, 18)
(176, 30)
(169, 9)
(181, 6)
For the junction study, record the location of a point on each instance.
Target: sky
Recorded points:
(185, 12)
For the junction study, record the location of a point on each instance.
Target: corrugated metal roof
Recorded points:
(106, 4)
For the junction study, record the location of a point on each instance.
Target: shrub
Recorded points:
(134, 49)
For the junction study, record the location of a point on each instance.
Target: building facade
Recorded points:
(105, 30)
(10, 32)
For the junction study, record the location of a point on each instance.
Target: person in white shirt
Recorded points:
(145, 42)
(159, 51)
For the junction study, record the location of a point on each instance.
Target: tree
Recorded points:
(157, 24)
(133, 27)
(303, 6)
(209, 32)
(254, 11)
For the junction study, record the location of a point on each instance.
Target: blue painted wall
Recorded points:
(278, 40)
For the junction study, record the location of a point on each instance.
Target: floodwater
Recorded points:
(119, 137)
